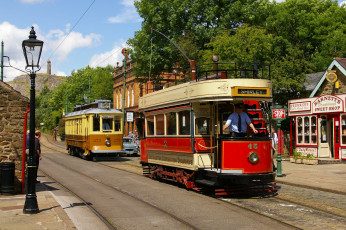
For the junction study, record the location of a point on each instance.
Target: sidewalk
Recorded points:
(327, 177)
(51, 215)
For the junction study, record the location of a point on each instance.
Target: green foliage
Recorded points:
(310, 156)
(296, 36)
(180, 20)
(51, 104)
(296, 154)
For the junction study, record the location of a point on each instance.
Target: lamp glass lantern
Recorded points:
(32, 49)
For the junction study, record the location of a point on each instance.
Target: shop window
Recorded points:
(96, 123)
(343, 129)
(184, 122)
(307, 130)
(299, 130)
(150, 125)
(313, 130)
(160, 124)
(202, 126)
(323, 127)
(171, 123)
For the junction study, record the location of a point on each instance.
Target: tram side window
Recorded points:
(96, 123)
(150, 125)
(171, 123)
(202, 126)
(160, 124)
(184, 122)
(107, 123)
(117, 124)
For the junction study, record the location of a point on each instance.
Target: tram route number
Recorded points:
(252, 146)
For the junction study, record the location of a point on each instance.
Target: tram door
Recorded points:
(324, 137)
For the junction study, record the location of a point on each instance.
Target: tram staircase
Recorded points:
(255, 113)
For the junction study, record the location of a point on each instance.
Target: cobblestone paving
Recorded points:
(303, 208)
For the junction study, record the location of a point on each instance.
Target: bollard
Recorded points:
(280, 151)
(7, 177)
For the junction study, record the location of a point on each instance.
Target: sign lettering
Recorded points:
(300, 106)
(279, 114)
(327, 104)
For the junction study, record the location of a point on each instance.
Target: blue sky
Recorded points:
(96, 40)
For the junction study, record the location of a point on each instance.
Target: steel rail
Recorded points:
(186, 223)
(99, 215)
(277, 198)
(125, 193)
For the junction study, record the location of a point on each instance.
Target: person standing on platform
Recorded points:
(275, 141)
(238, 122)
(37, 156)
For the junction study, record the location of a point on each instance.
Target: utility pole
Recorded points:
(66, 102)
(124, 85)
(2, 61)
(89, 88)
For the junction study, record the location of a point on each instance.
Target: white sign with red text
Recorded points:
(327, 104)
(279, 114)
(300, 106)
(306, 150)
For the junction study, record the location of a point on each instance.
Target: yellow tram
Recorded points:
(94, 130)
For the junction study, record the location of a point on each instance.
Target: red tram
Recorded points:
(183, 140)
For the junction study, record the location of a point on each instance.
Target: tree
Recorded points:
(198, 20)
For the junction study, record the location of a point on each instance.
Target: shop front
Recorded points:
(320, 125)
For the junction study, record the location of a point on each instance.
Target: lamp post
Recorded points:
(32, 49)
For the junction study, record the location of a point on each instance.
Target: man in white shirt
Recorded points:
(238, 122)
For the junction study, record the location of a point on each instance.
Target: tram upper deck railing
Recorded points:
(203, 72)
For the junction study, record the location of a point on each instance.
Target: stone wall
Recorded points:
(12, 110)
(329, 87)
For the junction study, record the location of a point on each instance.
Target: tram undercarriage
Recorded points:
(214, 181)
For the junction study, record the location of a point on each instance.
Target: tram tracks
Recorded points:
(98, 214)
(284, 201)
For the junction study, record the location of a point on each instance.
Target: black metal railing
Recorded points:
(210, 71)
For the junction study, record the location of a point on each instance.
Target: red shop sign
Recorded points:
(279, 114)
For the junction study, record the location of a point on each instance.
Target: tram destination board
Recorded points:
(250, 92)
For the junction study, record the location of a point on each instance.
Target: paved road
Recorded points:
(120, 199)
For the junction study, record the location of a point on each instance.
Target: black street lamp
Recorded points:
(32, 49)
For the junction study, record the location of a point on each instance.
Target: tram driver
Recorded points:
(238, 122)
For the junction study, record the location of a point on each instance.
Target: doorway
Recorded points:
(325, 132)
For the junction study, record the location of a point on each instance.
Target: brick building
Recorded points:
(135, 89)
(12, 110)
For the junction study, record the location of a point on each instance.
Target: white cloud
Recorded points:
(342, 3)
(13, 37)
(127, 14)
(108, 58)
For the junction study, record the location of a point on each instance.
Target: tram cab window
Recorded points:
(107, 123)
(202, 126)
(171, 123)
(150, 125)
(117, 124)
(184, 122)
(96, 123)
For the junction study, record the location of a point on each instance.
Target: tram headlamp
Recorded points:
(108, 142)
(253, 157)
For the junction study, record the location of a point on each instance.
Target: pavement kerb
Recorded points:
(309, 187)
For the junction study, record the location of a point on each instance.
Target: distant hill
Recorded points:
(22, 83)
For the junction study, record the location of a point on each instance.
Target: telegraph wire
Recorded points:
(108, 56)
(80, 18)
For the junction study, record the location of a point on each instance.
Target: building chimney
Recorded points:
(49, 67)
